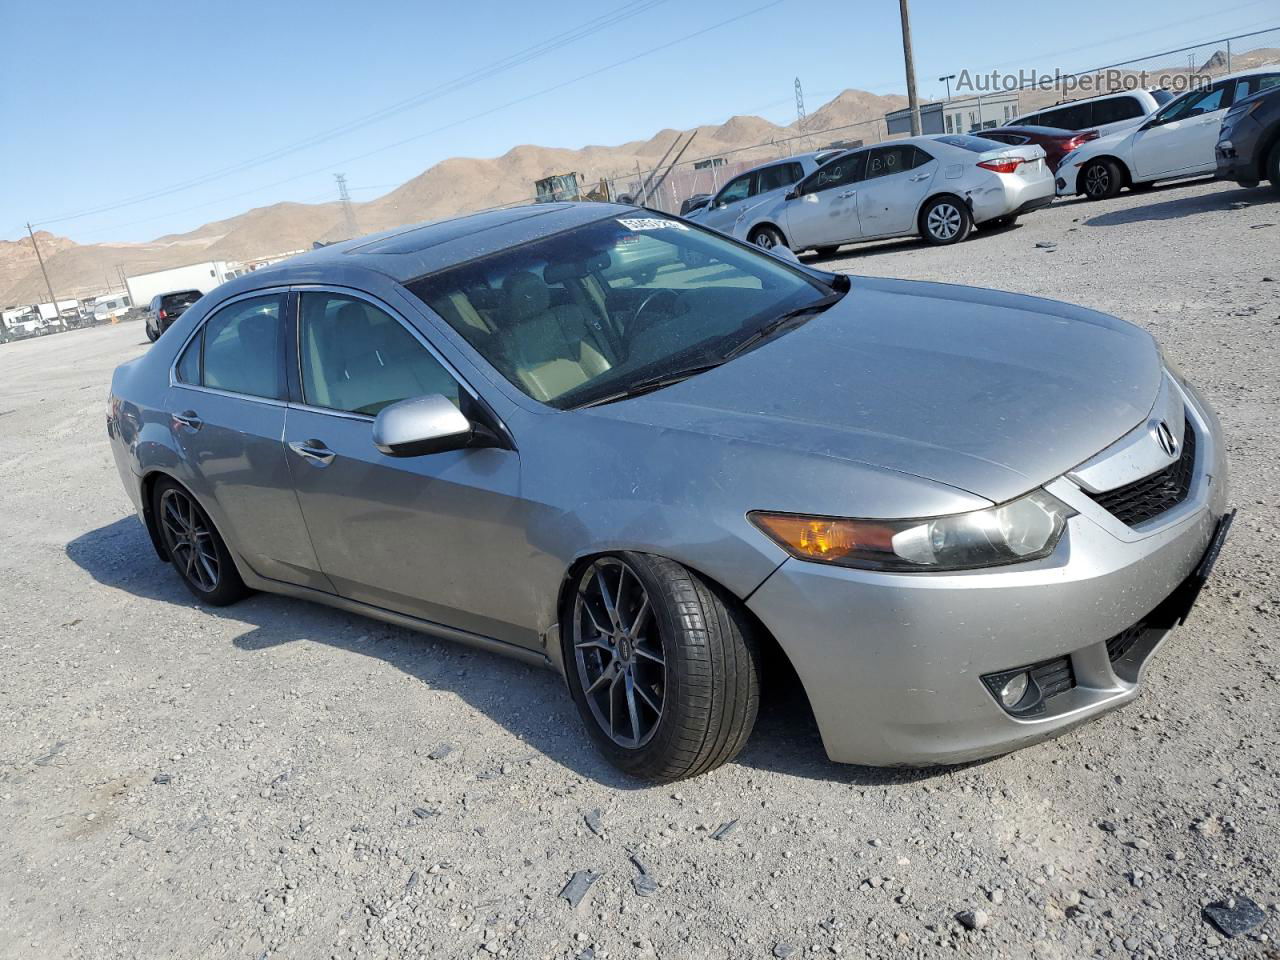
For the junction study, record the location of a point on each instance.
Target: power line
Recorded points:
(448, 126)
(595, 25)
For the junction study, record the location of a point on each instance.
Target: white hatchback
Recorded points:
(1177, 141)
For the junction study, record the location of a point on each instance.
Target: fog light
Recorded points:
(1011, 693)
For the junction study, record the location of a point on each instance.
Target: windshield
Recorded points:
(586, 313)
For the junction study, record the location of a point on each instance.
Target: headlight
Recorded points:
(1024, 529)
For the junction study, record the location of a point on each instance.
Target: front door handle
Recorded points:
(189, 419)
(313, 451)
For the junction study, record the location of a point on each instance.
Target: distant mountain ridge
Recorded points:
(452, 186)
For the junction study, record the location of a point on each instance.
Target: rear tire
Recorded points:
(666, 672)
(195, 547)
(1100, 179)
(151, 334)
(827, 251)
(1273, 167)
(945, 220)
(766, 238)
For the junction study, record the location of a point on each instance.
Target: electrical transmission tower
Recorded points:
(802, 119)
(348, 213)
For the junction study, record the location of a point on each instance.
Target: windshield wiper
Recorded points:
(649, 384)
(780, 322)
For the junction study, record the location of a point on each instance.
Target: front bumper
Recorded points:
(893, 663)
(1235, 163)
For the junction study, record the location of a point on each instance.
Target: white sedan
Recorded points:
(938, 187)
(1176, 141)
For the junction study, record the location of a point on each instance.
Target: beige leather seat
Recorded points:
(552, 349)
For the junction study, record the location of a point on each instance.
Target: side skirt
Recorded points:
(474, 640)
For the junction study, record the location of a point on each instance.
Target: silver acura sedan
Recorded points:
(967, 519)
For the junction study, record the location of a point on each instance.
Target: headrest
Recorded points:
(525, 295)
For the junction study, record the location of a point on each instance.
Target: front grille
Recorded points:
(1145, 499)
(1123, 641)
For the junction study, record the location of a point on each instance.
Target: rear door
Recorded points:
(438, 537)
(826, 210)
(1182, 136)
(896, 182)
(227, 404)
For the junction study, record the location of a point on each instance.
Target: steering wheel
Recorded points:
(652, 300)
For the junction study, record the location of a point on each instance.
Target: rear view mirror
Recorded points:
(423, 425)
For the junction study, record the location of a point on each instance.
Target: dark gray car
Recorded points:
(1249, 140)
(966, 518)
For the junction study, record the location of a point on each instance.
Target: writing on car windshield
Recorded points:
(581, 314)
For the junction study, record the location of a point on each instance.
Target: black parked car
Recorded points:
(1249, 140)
(166, 308)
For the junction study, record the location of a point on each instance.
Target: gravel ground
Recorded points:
(280, 779)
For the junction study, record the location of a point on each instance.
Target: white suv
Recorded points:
(1177, 141)
(1106, 114)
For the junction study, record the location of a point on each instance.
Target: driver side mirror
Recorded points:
(792, 193)
(423, 425)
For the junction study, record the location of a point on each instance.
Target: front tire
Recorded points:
(766, 238)
(664, 669)
(1101, 179)
(1273, 167)
(827, 251)
(195, 547)
(944, 221)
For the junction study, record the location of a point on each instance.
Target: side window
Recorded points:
(242, 348)
(837, 173)
(189, 363)
(359, 359)
(1194, 104)
(1074, 117)
(738, 189)
(1248, 86)
(886, 161)
(771, 178)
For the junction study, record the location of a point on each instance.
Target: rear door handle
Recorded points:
(189, 419)
(921, 176)
(313, 451)
(847, 194)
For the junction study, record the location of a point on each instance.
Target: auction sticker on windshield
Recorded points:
(650, 223)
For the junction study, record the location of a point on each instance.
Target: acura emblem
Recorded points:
(1164, 437)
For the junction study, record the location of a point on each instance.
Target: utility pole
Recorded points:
(912, 101)
(348, 214)
(47, 285)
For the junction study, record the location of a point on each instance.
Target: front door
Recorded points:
(437, 537)
(227, 412)
(826, 211)
(722, 211)
(896, 183)
(1182, 137)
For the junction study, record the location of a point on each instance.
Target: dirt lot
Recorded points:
(281, 780)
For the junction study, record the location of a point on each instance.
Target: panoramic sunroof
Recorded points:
(414, 241)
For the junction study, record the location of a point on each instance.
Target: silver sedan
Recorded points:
(937, 187)
(967, 519)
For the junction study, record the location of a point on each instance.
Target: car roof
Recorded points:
(405, 253)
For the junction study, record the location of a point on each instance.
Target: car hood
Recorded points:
(988, 392)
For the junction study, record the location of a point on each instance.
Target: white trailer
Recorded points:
(196, 276)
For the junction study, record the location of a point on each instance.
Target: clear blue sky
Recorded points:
(105, 102)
